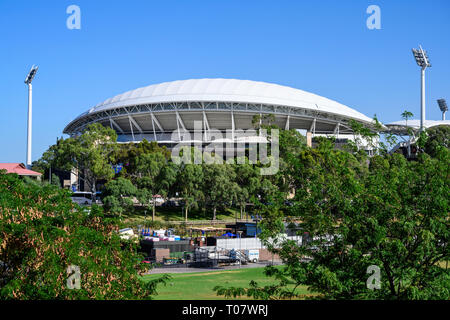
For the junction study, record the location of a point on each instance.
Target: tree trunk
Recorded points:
(186, 213)
(214, 213)
(154, 210)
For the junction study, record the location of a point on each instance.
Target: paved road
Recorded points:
(190, 270)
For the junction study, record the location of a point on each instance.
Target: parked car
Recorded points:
(82, 197)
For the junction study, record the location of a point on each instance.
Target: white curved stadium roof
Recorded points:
(415, 124)
(228, 90)
(400, 127)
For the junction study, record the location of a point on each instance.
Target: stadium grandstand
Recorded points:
(169, 112)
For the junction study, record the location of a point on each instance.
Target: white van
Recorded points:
(82, 197)
(252, 255)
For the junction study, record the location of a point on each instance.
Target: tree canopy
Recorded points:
(359, 213)
(43, 233)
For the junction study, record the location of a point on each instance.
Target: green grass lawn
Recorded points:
(199, 285)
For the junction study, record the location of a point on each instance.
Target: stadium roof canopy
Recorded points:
(400, 127)
(221, 104)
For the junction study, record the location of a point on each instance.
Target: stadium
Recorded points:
(165, 112)
(402, 127)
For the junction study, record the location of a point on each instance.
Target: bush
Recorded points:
(42, 233)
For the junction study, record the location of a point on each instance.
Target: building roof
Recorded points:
(414, 124)
(18, 168)
(227, 90)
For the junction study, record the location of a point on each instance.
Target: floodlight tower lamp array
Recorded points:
(422, 61)
(443, 106)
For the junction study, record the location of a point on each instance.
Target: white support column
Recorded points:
(336, 131)
(113, 123)
(131, 127)
(260, 121)
(206, 125)
(313, 127)
(286, 127)
(155, 119)
(233, 125)
(178, 127)
(153, 127)
(181, 121)
(135, 123)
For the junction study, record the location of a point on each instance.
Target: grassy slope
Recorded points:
(173, 214)
(199, 285)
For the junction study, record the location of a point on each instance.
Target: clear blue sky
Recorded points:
(319, 46)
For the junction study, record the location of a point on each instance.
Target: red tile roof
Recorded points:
(18, 168)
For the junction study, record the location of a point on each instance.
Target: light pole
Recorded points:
(28, 81)
(240, 255)
(443, 106)
(422, 61)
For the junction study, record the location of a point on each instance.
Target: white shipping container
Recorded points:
(252, 243)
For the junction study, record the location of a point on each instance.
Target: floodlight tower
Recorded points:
(424, 62)
(443, 106)
(28, 81)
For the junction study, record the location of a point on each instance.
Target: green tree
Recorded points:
(148, 169)
(94, 151)
(118, 194)
(219, 186)
(167, 178)
(387, 212)
(407, 115)
(55, 180)
(437, 137)
(42, 233)
(129, 152)
(189, 185)
(248, 181)
(90, 153)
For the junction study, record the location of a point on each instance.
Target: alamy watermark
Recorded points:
(374, 280)
(374, 20)
(241, 146)
(74, 20)
(74, 277)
